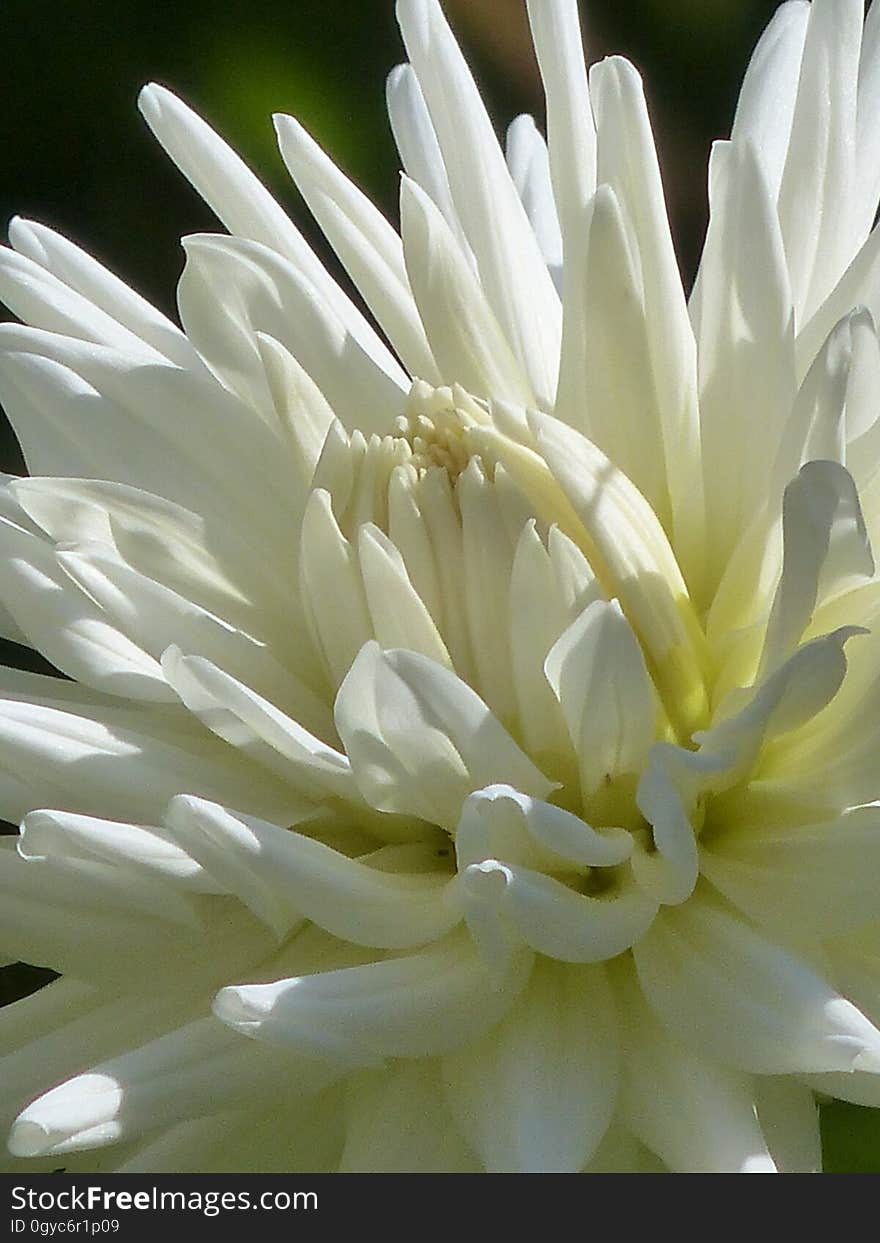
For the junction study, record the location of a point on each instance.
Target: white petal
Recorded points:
(418, 147)
(500, 822)
(96, 758)
(398, 1123)
(793, 694)
(867, 150)
(746, 344)
(426, 1003)
(85, 410)
(719, 985)
(807, 877)
(364, 241)
(507, 905)
(145, 848)
(598, 674)
(487, 557)
(826, 551)
(420, 740)
(245, 206)
(668, 867)
(606, 378)
(96, 921)
(789, 1118)
(628, 163)
(40, 299)
(67, 626)
(536, 1094)
(631, 555)
(300, 405)
(231, 289)
(819, 423)
(857, 286)
(399, 617)
(529, 164)
(512, 270)
(256, 727)
(205, 558)
(537, 618)
(464, 333)
(154, 617)
(329, 572)
(80, 1034)
(80, 272)
(816, 193)
(571, 133)
(284, 876)
(767, 97)
(698, 1116)
(197, 1070)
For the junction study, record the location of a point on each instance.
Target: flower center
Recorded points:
(437, 424)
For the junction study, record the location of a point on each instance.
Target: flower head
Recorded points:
(469, 757)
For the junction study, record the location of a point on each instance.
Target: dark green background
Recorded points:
(74, 153)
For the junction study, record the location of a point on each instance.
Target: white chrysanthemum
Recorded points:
(469, 755)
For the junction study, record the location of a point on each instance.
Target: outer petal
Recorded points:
(520, 292)
(427, 1003)
(245, 205)
(284, 876)
(365, 242)
(399, 1123)
(195, 1071)
(719, 985)
(536, 1094)
(699, 1117)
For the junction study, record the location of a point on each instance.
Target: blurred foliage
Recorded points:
(77, 156)
(850, 1139)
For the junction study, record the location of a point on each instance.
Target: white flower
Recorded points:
(469, 757)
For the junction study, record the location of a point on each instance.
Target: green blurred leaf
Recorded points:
(850, 1139)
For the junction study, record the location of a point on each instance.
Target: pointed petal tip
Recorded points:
(149, 100)
(287, 126)
(397, 75)
(868, 1059)
(240, 1005)
(30, 1139)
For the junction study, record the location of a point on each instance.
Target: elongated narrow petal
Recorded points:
(816, 193)
(746, 342)
(750, 1001)
(418, 147)
(364, 241)
(244, 204)
(521, 294)
(464, 333)
(571, 130)
(826, 550)
(628, 163)
(275, 298)
(629, 550)
(83, 274)
(347, 898)
(427, 1003)
(172, 1078)
(529, 164)
(606, 378)
(766, 104)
